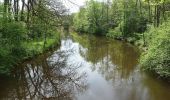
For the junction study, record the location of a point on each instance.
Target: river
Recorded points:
(84, 68)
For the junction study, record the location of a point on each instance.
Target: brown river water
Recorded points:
(84, 68)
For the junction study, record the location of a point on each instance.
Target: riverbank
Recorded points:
(155, 46)
(29, 50)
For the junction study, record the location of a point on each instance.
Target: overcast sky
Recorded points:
(73, 5)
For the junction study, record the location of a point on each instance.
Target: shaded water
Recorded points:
(84, 68)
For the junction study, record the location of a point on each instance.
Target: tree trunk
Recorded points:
(22, 10)
(10, 10)
(149, 11)
(16, 10)
(158, 15)
(28, 13)
(5, 13)
(155, 15)
(163, 12)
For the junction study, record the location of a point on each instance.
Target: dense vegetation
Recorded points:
(127, 17)
(27, 28)
(142, 22)
(157, 57)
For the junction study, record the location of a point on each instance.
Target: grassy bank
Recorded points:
(37, 47)
(30, 49)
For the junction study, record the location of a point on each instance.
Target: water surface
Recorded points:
(84, 68)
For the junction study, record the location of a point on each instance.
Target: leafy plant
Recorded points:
(157, 57)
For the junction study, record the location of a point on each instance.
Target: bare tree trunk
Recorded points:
(16, 10)
(5, 14)
(140, 6)
(10, 10)
(163, 12)
(158, 15)
(22, 10)
(28, 13)
(155, 15)
(149, 11)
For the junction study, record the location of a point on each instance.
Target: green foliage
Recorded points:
(133, 25)
(99, 17)
(80, 21)
(157, 57)
(27, 32)
(93, 18)
(114, 33)
(16, 45)
(14, 31)
(66, 25)
(1, 8)
(12, 35)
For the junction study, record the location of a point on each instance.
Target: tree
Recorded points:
(31, 22)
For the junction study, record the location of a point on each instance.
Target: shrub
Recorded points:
(11, 50)
(114, 33)
(157, 58)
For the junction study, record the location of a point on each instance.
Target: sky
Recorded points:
(73, 5)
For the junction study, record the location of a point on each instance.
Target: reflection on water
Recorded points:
(85, 68)
(47, 78)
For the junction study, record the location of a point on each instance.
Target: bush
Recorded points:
(133, 24)
(157, 58)
(114, 33)
(136, 39)
(11, 50)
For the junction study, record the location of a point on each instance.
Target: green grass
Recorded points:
(37, 47)
(30, 48)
